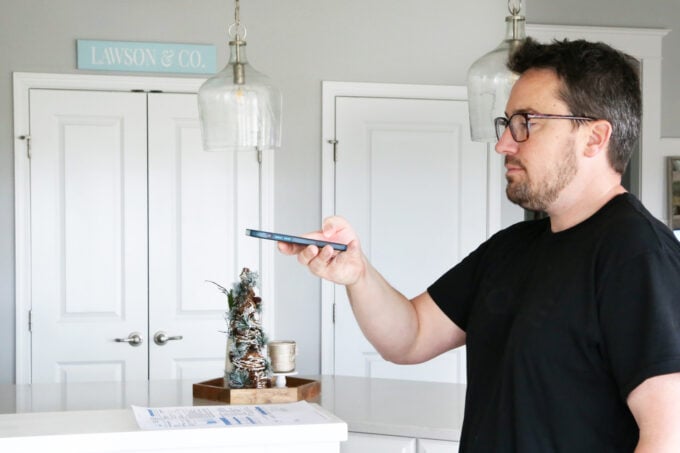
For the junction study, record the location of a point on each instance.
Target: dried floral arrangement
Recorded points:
(248, 365)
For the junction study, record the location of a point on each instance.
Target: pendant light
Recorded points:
(239, 108)
(489, 80)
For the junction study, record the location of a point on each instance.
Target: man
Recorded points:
(571, 322)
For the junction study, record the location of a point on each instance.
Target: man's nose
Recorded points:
(506, 144)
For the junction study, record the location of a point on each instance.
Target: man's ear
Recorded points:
(598, 139)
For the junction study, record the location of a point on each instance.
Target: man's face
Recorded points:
(540, 168)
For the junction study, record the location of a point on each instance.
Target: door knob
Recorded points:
(134, 339)
(160, 338)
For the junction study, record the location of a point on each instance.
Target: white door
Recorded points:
(88, 235)
(102, 271)
(200, 204)
(414, 186)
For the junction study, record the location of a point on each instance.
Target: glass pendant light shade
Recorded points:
(489, 81)
(239, 108)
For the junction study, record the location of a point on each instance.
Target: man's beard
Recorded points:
(540, 195)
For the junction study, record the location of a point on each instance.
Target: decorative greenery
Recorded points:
(239, 378)
(249, 368)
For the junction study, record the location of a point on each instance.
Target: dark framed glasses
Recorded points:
(519, 123)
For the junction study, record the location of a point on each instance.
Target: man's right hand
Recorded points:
(345, 268)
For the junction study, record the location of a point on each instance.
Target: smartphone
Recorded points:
(294, 239)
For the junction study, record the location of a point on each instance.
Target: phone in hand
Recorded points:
(294, 239)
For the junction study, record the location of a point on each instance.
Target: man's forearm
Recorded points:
(386, 317)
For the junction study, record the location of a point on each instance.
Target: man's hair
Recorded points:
(597, 81)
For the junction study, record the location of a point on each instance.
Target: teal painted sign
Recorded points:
(146, 57)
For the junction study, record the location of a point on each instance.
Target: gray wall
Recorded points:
(298, 43)
(628, 13)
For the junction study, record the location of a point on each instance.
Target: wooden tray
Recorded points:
(297, 389)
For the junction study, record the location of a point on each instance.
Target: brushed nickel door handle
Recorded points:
(134, 339)
(161, 338)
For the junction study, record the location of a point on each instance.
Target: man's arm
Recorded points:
(401, 330)
(655, 404)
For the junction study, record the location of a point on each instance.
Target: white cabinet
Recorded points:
(437, 446)
(373, 443)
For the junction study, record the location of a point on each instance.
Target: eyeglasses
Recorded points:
(519, 123)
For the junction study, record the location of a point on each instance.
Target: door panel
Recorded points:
(414, 187)
(88, 234)
(200, 204)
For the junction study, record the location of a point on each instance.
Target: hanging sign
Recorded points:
(146, 57)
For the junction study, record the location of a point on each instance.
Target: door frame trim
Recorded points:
(23, 82)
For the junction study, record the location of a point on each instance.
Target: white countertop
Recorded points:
(116, 431)
(381, 406)
(429, 410)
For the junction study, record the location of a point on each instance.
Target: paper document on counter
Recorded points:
(299, 413)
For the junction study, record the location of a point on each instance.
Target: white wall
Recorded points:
(298, 43)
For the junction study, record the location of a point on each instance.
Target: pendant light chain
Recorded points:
(237, 17)
(237, 31)
(238, 40)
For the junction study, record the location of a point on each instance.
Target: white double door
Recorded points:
(414, 186)
(129, 220)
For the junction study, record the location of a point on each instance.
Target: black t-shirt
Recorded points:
(562, 326)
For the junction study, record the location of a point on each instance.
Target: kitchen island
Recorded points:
(379, 413)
